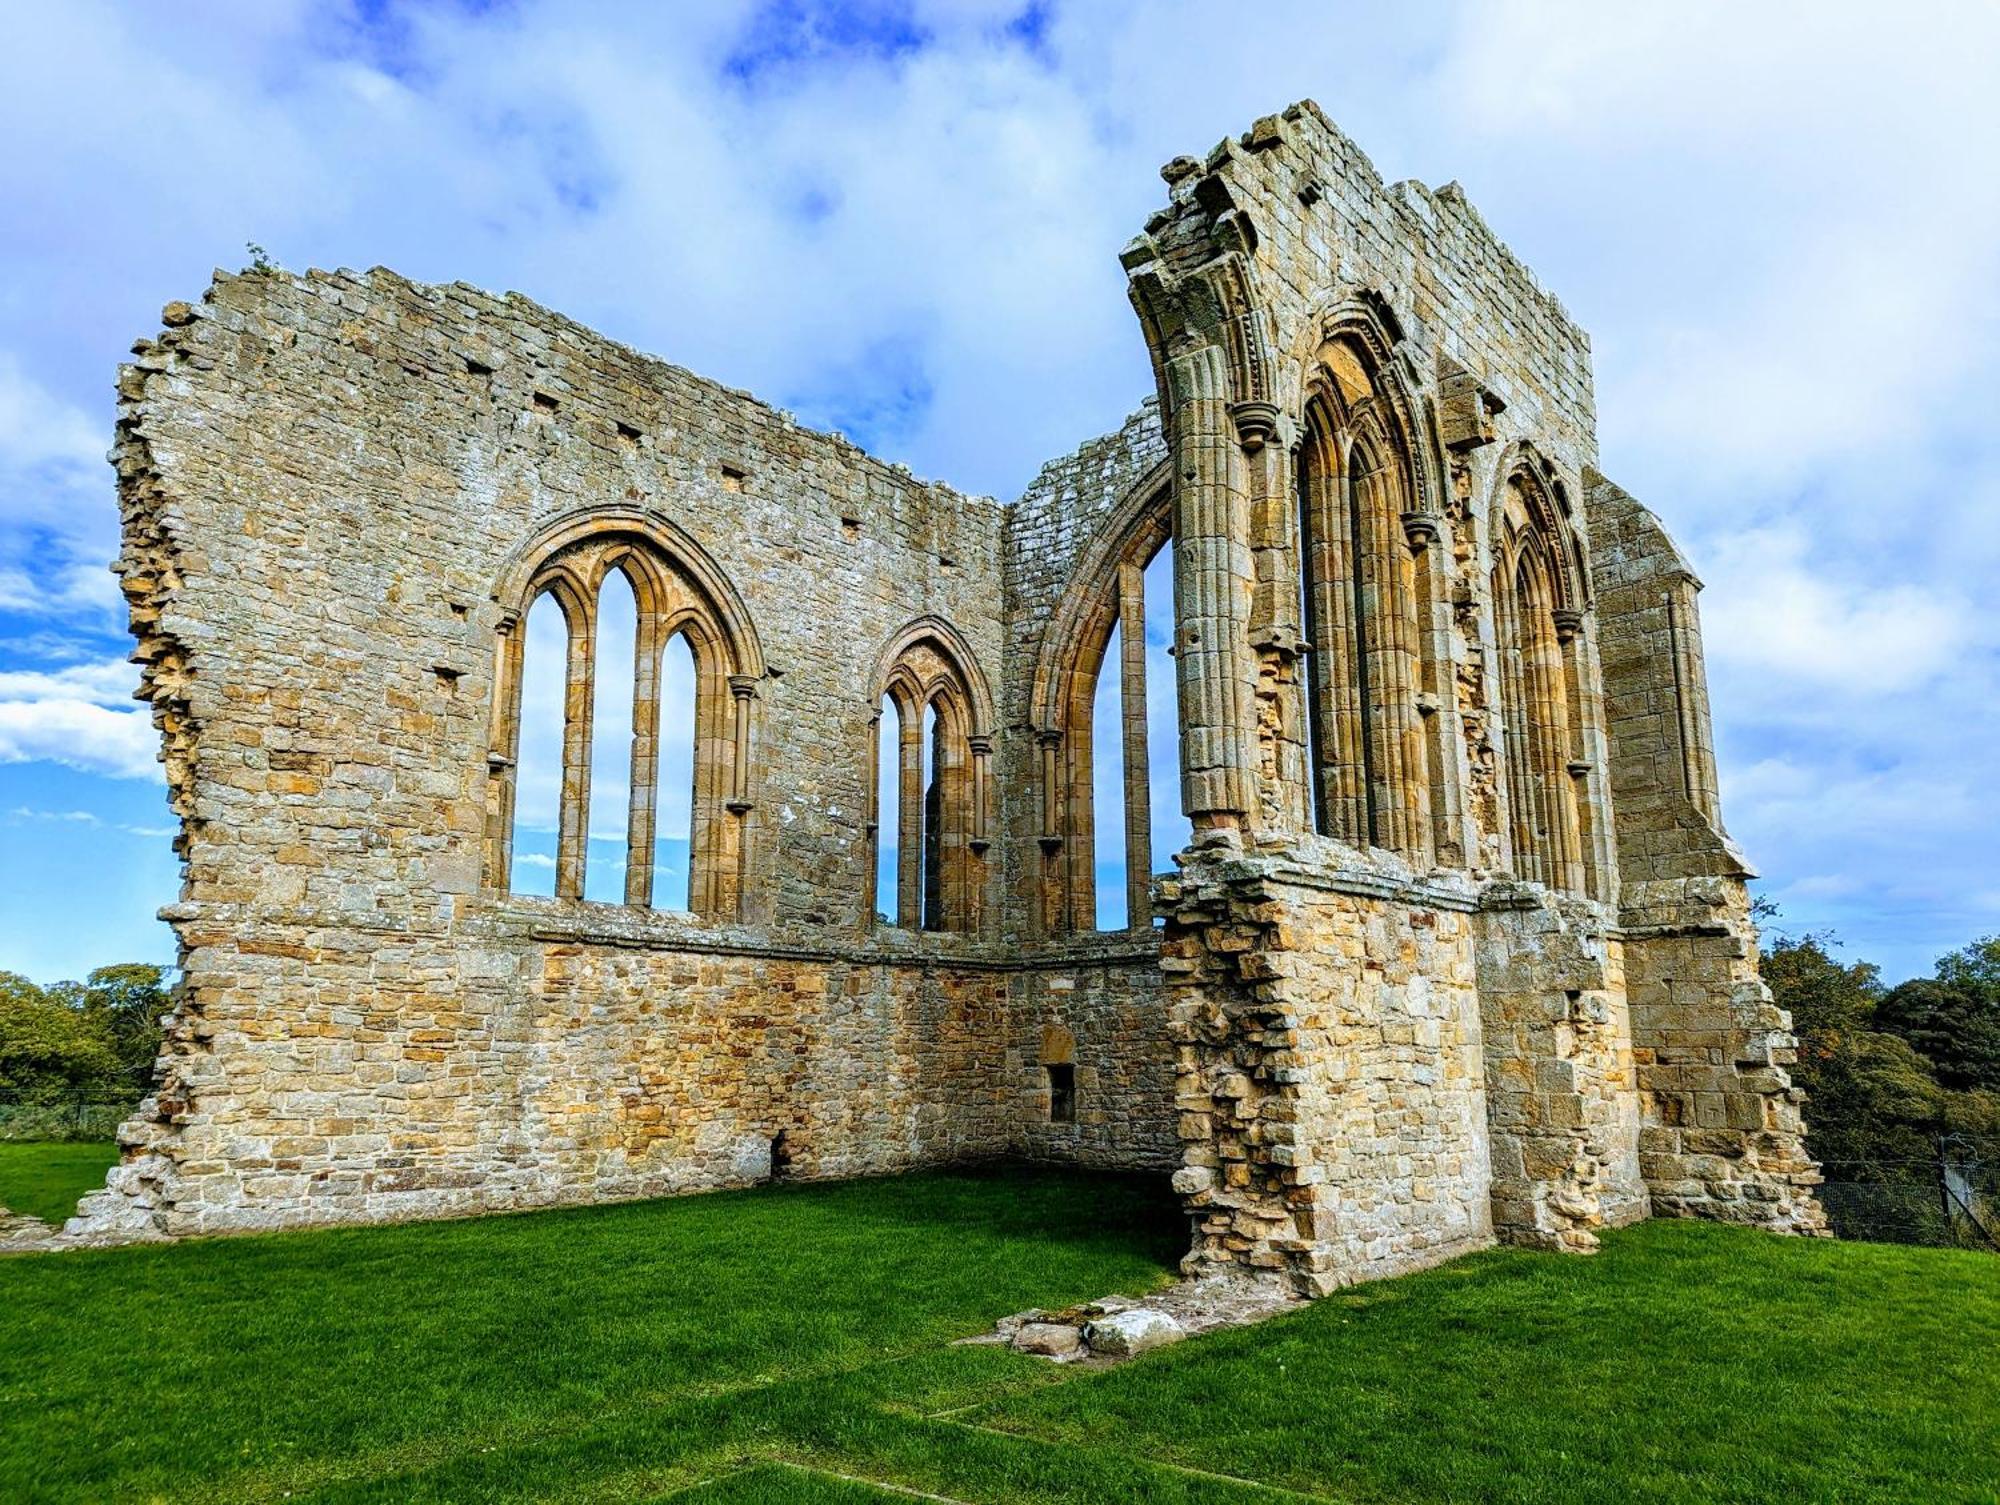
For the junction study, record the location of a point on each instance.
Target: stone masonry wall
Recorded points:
(1561, 1104)
(1361, 1059)
(324, 478)
(1330, 1080)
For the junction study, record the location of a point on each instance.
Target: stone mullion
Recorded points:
(1340, 685)
(954, 824)
(1132, 709)
(1559, 751)
(1413, 806)
(1442, 814)
(1514, 730)
(1582, 765)
(910, 818)
(1212, 589)
(977, 875)
(572, 844)
(642, 821)
(1544, 670)
(706, 858)
(1380, 613)
(504, 751)
(740, 804)
(1539, 726)
(1601, 834)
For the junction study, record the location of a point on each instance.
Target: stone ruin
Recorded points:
(1458, 950)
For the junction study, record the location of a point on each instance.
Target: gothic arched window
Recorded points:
(1370, 772)
(642, 734)
(1539, 622)
(932, 811)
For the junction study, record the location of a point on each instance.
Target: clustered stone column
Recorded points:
(1213, 580)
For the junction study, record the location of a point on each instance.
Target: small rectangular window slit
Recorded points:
(732, 478)
(1062, 1092)
(545, 403)
(628, 434)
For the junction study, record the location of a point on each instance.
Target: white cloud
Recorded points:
(79, 735)
(80, 715)
(106, 682)
(1768, 612)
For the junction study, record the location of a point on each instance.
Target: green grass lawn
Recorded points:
(791, 1344)
(45, 1180)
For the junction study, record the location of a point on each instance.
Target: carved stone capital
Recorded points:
(1256, 422)
(1569, 622)
(1422, 530)
(743, 686)
(979, 747)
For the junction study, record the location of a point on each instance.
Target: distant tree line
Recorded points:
(94, 1040)
(1888, 1072)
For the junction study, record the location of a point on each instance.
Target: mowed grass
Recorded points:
(46, 1180)
(792, 1344)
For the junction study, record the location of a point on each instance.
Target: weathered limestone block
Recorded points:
(1127, 1334)
(1561, 1097)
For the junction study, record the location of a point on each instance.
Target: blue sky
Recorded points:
(1780, 222)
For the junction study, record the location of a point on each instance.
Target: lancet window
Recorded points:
(1539, 633)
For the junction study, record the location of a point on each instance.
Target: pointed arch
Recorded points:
(679, 591)
(1557, 823)
(1381, 766)
(928, 673)
(1105, 598)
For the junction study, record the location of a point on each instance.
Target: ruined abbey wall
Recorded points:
(1459, 950)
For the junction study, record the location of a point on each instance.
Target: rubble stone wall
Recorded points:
(325, 477)
(1331, 1084)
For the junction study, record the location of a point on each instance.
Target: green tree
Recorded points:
(131, 998)
(1953, 1018)
(51, 1050)
(1828, 1000)
(1870, 1096)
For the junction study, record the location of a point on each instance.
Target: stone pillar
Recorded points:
(1284, 799)
(573, 833)
(1132, 720)
(640, 829)
(1213, 580)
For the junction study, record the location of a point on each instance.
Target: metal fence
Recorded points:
(1951, 1200)
(74, 1119)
